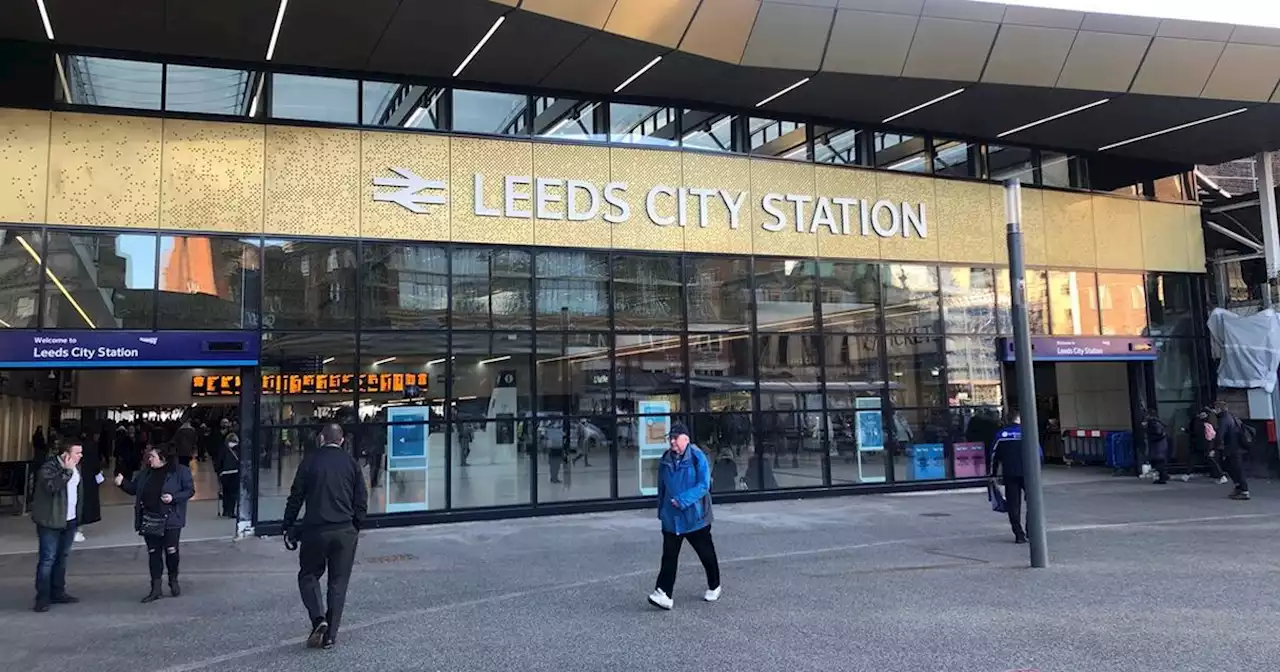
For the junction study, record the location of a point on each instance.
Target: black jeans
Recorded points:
(1215, 468)
(701, 542)
(1014, 489)
(1162, 469)
(162, 552)
(332, 550)
(1235, 469)
(230, 493)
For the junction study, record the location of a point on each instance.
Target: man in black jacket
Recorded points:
(330, 483)
(1006, 455)
(1232, 439)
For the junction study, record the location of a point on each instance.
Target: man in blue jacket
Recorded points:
(684, 507)
(1006, 456)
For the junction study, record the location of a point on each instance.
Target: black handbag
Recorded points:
(153, 524)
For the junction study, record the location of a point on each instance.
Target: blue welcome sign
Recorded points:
(126, 349)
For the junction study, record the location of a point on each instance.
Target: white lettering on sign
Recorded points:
(78, 352)
(553, 198)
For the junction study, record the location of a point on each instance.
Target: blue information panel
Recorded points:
(126, 349)
(407, 458)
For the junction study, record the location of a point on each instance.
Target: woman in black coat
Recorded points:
(161, 491)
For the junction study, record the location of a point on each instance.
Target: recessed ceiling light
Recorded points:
(921, 106)
(639, 72)
(1171, 129)
(480, 45)
(1059, 115)
(44, 16)
(782, 92)
(275, 32)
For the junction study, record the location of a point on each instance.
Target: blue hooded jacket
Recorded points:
(687, 480)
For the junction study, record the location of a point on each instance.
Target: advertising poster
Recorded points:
(870, 430)
(651, 442)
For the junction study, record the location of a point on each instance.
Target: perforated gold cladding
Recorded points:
(640, 170)
(778, 176)
(104, 171)
(495, 160)
(966, 209)
(835, 182)
(1069, 233)
(313, 181)
(565, 163)
(707, 171)
(899, 189)
(212, 177)
(1118, 229)
(426, 156)
(24, 165)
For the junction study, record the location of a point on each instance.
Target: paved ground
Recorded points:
(1143, 578)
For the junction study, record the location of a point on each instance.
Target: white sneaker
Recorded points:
(79, 535)
(660, 600)
(712, 595)
(1223, 480)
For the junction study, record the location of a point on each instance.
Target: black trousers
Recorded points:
(1014, 489)
(1215, 468)
(230, 493)
(1235, 469)
(702, 544)
(162, 553)
(326, 550)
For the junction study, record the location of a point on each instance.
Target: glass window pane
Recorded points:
(1171, 188)
(852, 370)
(578, 455)
(850, 297)
(569, 118)
(710, 131)
(20, 277)
(969, 300)
(718, 290)
(209, 90)
(1172, 298)
(726, 439)
(574, 373)
(793, 443)
(400, 369)
(858, 443)
(1123, 300)
(1006, 162)
(915, 370)
(1037, 301)
(1073, 304)
(1062, 170)
(973, 371)
(647, 292)
(492, 386)
(104, 281)
(790, 378)
(573, 290)
(643, 124)
(723, 377)
(403, 105)
(209, 283)
(109, 82)
(404, 286)
(309, 377)
(905, 153)
(404, 461)
(919, 440)
(910, 299)
(956, 159)
(309, 285)
(785, 292)
(1175, 369)
(492, 288)
(314, 98)
(641, 442)
(490, 112)
(772, 137)
(839, 146)
(479, 359)
(649, 372)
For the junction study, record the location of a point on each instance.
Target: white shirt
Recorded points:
(73, 494)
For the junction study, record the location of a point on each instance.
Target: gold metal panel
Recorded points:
(585, 12)
(900, 188)
(565, 163)
(1195, 239)
(851, 183)
(493, 160)
(1164, 236)
(999, 225)
(720, 29)
(641, 170)
(780, 177)
(656, 21)
(962, 222)
(1117, 233)
(211, 178)
(426, 156)
(1069, 230)
(730, 177)
(24, 165)
(105, 171)
(313, 181)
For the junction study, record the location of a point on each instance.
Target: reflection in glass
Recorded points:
(1010, 162)
(957, 159)
(20, 277)
(852, 370)
(791, 450)
(569, 118)
(208, 90)
(209, 283)
(492, 288)
(1037, 301)
(915, 370)
(490, 112)
(314, 98)
(910, 298)
(402, 369)
(1073, 304)
(710, 131)
(718, 290)
(919, 440)
(1172, 298)
(109, 82)
(1175, 369)
(785, 292)
(573, 290)
(309, 285)
(404, 286)
(1172, 188)
(772, 137)
(309, 377)
(403, 105)
(578, 452)
(649, 368)
(103, 281)
(850, 296)
(723, 377)
(647, 292)
(790, 376)
(1123, 300)
(643, 124)
(904, 153)
(838, 146)
(973, 371)
(969, 300)
(574, 373)
(1063, 171)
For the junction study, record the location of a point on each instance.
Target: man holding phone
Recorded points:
(55, 510)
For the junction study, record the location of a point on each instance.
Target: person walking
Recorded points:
(1233, 437)
(161, 490)
(684, 507)
(185, 440)
(228, 461)
(55, 510)
(1006, 456)
(331, 485)
(1204, 435)
(1157, 445)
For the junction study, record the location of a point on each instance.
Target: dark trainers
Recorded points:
(66, 599)
(41, 606)
(328, 642)
(1242, 495)
(319, 633)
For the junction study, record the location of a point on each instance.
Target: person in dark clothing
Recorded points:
(161, 491)
(56, 507)
(329, 481)
(1157, 445)
(228, 463)
(1006, 456)
(90, 468)
(1231, 437)
(1203, 432)
(126, 453)
(184, 443)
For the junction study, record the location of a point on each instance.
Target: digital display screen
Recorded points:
(308, 383)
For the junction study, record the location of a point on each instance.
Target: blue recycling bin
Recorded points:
(927, 462)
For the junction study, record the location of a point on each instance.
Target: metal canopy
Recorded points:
(867, 59)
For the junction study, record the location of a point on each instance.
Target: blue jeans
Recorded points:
(51, 568)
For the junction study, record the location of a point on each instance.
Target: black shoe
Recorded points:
(66, 599)
(155, 593)
(328, 642)
(41, 606)
(1161, 482)
(175, 588)
(1240, 495)
(1019, 538)
(319, 633)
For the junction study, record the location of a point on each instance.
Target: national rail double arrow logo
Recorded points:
(409, 194)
